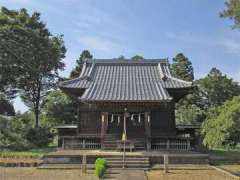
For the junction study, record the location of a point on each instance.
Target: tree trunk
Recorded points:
(37, 107)
(36, 117)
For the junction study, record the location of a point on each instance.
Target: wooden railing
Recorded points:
(171, 144)
(77, 143)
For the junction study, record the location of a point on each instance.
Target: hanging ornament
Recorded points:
(112, 118)
(132, 117)
(148, 117)
(118, 119)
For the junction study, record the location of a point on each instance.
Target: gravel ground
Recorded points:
(233, 168)
(40, 174)
(187, 175)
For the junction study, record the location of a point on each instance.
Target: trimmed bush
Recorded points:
(39, 137)
(100, 167)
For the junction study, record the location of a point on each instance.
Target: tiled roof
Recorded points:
(125, 80)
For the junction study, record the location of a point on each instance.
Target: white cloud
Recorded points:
(233, 46)
(100, 44)
(21, 1)
(228, 43)
(236, 76)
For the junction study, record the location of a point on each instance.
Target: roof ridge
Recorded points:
(115, 60)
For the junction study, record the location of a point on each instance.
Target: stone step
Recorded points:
(64, 166)
(109, 169)
(126, 158)
(113, 166)
(127, 162)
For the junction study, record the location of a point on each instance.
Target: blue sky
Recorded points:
(153, 29)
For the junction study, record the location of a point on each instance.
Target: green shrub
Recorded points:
(100, 167)
(101, 161)
(99, 170)
(39, 137)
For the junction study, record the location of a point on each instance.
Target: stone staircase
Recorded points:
(131, 162)
(113, 162)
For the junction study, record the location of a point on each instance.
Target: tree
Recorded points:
(182, 67)
(30, 56)
(188, 110)
(189, 114)
(137, 57)
(58, 108)
(217, 88)
(77, 71)
(13, 129)
(6, 106)
(222, 127)
(232, 11)
(121, 57)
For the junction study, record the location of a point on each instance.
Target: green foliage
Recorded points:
(100, 167)
(101, 161)
(137, 57)
(39, 137)
(99, 170)
(182, 68)
(18, 133)
(77, 71)
(29, 152)
(226, 152)
(217, 88)
(30, 56)
(13, 130)
(58, 108)
(222, 127)
(232, 12)
(6, 106)
(20, 153)
(121, 57)
(189, 115)
(187, 109)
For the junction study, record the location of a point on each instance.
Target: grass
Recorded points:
(24, 153)
(226, 153)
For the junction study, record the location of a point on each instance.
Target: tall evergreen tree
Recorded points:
(30, 56)
(77, 71)
(218, 88)
(182, 67)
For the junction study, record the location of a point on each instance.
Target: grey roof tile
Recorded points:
(125, 80)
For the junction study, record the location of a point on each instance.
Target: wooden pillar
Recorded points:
(188, 145)
(63, 143)
(147, 130)
(78, 120)
(104, 119)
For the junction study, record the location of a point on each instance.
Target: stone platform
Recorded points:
(135, 160)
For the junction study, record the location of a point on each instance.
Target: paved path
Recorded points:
(125, 175)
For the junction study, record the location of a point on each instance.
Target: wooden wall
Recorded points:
(89, 120)
(161, 117)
